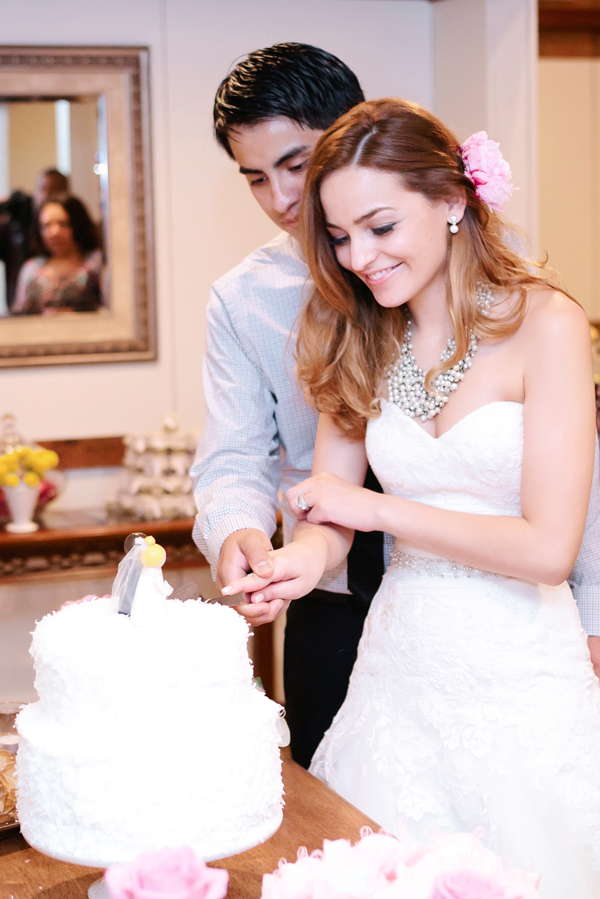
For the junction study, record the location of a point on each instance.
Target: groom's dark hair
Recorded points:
(305, 84)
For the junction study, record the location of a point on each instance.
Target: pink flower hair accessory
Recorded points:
(487, 169)
(166, 874)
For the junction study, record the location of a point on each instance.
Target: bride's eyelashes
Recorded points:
(338, 241)
(384, 229)
(381, 231)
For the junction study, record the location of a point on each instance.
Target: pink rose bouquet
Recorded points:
(487, 169)
(380, 866)
(166, 874)
(466, 885)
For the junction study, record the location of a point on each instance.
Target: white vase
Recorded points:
(21, 502)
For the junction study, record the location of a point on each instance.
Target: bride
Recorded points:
(462, 373)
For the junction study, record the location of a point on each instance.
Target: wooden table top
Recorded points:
(312, 813)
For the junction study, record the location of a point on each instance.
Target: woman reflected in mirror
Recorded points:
(65, 275)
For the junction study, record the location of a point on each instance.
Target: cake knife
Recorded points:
(236, 599)
(191, 591)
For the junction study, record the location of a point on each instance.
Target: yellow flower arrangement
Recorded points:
(26, 464)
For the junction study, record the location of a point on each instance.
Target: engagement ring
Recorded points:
(302, 504)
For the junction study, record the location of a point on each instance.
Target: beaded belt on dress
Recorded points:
(428, 567)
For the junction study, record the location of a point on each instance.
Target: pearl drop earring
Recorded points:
(452, 222)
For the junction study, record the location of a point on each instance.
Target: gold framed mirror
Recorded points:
(74, 133)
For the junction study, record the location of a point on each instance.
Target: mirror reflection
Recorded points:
(53, 206)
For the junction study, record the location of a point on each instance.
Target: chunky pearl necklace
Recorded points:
(406, 381)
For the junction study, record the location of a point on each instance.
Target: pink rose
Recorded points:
(466, 885)
(166, 874)
(487, 169)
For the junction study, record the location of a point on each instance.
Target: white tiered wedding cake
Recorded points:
(148, 732)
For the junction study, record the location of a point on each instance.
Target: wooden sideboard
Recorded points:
(90, 540)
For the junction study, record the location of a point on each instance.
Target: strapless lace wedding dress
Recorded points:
(473, 702)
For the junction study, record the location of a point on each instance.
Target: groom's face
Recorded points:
(274, 157)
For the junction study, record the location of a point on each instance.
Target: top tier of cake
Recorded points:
(89, 659)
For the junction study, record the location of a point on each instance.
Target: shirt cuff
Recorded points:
(588, 603)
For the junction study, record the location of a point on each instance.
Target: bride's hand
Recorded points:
(297, 569)
(332, 500)
(263, 612)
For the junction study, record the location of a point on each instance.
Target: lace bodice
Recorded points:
(473, 467)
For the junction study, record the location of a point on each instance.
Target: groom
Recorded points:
(269, 113)
(259, 435)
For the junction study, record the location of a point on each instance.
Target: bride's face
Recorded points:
(393, 239)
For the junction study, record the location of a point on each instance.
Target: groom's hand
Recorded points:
(243, 551)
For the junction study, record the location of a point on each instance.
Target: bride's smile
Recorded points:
(381, 276)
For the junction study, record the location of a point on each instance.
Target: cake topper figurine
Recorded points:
(149, 601)
(139, 577)
(128, 574)
(139, 586)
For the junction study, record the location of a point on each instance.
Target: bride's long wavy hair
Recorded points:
(347, 341)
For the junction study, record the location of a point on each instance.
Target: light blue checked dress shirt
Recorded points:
(259, 434)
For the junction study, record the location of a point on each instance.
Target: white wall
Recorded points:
(206, 220)
(569, 183)
(485, 79)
